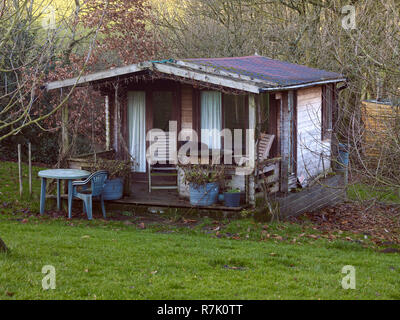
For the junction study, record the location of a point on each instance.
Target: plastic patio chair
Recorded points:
(87, 193)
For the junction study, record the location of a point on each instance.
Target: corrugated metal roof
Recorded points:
(266, 69)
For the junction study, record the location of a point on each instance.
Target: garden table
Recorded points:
(60, 174)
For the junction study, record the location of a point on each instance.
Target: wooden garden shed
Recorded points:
(295, 104)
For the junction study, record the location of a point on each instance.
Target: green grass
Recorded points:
(110, 260)
(364, 192)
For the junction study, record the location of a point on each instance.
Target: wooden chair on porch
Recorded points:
(267, 170)
(159, 166)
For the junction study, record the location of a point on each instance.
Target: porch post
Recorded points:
(117, 121)
(107, 111)
(64, 127)
(287, 103)
(251, 149)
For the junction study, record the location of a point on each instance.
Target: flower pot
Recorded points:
(232, 199)
(113, 189)
(203, 195)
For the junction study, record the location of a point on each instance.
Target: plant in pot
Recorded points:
(117, 170)
(204, 181)
(232, 197)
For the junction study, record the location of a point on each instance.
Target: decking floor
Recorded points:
(140, 196)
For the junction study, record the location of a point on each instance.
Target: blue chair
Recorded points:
(97, 181)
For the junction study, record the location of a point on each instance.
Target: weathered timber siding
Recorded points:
(187, 109)
(379, 120)
(328, 192)
(313, 154)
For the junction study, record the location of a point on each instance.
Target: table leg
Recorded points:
(69, 199)
(58, 194)
(43, 196)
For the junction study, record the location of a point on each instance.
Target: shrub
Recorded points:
(115, 168)
(203, 174)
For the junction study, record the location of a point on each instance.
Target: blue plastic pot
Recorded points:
(203, 195)
(232, 199)
(343, 157)
(113, 189)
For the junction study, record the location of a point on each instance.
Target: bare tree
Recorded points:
(30, 40)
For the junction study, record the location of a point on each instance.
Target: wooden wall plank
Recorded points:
(187, 107)
(313, 154)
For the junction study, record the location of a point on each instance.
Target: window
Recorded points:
(235, 116)
(211, 118)
(163, 104)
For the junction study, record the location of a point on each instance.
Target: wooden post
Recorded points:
(64, 128)
(287, 98)
(117, 122)
(107, 110)
(30, 168)
(252, 149)
(20, 171)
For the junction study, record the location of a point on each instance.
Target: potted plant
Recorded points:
(203, 183)
(232, 197)
(117, 171)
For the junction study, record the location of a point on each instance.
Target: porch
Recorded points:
(141, 197)
(136, 188)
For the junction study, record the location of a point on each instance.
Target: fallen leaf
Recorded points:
(189, 221)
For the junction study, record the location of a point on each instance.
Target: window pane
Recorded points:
(211, 121)
(235, 116)
(162, 106)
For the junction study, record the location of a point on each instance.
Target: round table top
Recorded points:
(65, 174)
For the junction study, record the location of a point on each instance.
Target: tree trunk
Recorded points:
(3, 247)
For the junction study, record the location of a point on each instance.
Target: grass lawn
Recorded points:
(365, 192)
(114, 260)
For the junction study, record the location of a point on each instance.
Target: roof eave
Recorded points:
(101, 75)
(303, 85)
(167, 68)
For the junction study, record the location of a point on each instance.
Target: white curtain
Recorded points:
(211, 119)
(137, 128)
